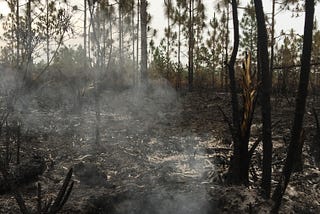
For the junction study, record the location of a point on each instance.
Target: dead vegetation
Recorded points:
(157, 156)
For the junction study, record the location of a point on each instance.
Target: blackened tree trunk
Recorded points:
(47, 33)
(263, 59)
(85, 34)
(29, 43)
(133, 33)
(18, 33)
(227, 45)
(178, 85)
(296, 131)
(168, 8)
(191, 45)
(138, 29)
(144, 53)
(272, 39)
(235, 170)
(120, 11)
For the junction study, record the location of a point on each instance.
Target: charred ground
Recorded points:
(160, 152)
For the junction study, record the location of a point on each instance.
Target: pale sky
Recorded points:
(283, 20)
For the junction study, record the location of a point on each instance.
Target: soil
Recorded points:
(160, 152)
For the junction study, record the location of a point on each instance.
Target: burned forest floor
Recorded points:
(160, 152)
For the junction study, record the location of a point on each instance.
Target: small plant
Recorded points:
(55, 206)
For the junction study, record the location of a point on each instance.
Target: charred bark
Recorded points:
(234, 170)
(263, 61)
(191, 46)
(294, 146)
(144, 51)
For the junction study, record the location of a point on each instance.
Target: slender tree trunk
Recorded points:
(18, 34)
(265, 97)
(222, 71)
(214, 65)
(29, 22)
(168, 38)
(235, 170)
(104, 40)
(12, 35)
(179, 54)
(85, 34)
(96, 36)
(226, 47)
(47, 33)
(191, 45)
(133, 35)
(138, 78)
(111, 38)
(29, 41)
(272, 39)
(144, 47)
(296, 131)
(120, 36)
(89, 45)
(196, 66)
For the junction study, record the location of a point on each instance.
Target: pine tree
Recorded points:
(248, 24)
(224, 7)
(224, 39)
(288, 54)
(168, 4)
(199, 23)
(215, 48)
(180, 17)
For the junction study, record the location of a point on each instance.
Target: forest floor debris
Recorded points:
(159, 153)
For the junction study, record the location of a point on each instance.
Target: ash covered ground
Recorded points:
(160, 152)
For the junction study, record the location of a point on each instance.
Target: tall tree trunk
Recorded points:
(120, 36)
(144, 47)
(138, 77)
(47, 32)
(214, 63)
(104, 41)
(97, 70)
(235, 162)
(265, 97)
(85, 34)
(12, 34)
(29, 22)
(111, 38)
(29, 43)
(296, 131)
(191, 46)
(133, 35)
(178, 85)
(226, 48)
(168, 38)
(272, 39)
(18, 34)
